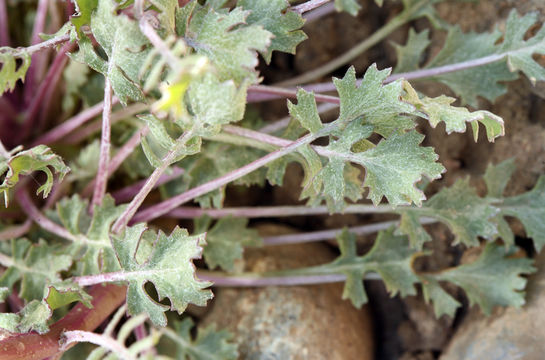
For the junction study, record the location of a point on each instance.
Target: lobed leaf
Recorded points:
(10, 70)
(208, 345)
(38, 158)
(275, 17)
(169, 268)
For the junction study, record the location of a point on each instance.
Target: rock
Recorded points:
(507, 334)
(299, 322)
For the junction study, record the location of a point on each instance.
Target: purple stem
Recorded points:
(258, 93)
(318, 13)
(101, 179)
(4, 25)
(166, 161)
(284, 122)
(33, 213)
(164, 207)
(252, 280)
(47, 85)
(308, 6)
(15, 231)
(94, 127)
(331, 234)
(41, 46)
(129, 192)
(71, 124)
(124, 152)
(273, 211)
(38, 61)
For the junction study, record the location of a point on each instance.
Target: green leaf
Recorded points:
(85, 165)
(84, 10)
(443, 303)
(214, 160)
(209, 344)
(493, 279)
(284, 25)
(497, 176)
(98, 255)
(229, 44)
(306, 112)
(63, 293)
(36, 265)
(467, 215)
(439, 109)
(10, 70)
(511, 52)
(38, 158)
(391, 257)
(33, 317)
(213, 102)
(169, 268)
(225, 241)
(395, 166)
(410, 55)
(529, 208)
(124, 45)
(379, 105)
(350, 6)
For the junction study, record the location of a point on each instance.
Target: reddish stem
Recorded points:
(309, 5)
(4, 25)
(258, 93)
(129, 192)
(32, 346)
(37, 65)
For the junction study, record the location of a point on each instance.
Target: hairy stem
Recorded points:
(273, 211)
(309, 5)
(4, 25)
(76, 336)
(284, 122)
(101, 179)
(15, 231)
(129, 192)
(33, 213)
(106, 299)
(167, 160)
(164, 207)
(44, 45)
(122, 154)
(258, 93)
(123, 113)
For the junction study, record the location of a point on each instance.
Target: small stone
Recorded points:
(297, 322)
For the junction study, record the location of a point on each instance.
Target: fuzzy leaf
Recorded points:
(439, 109)
(379, 105)
(33, 317)
(284, 25)
(492, 280)
(209, 344)
(497, 176)
(410, 54)
(36, 265)
(10, 71)
(529, 208)
(98, 255)
(229, 44)
(306, 112)
(391, 257)
(38, 158)
(216, 103)
(350, 6)
(169, 268)
(395, 166)
(467, 215)
(123, 43)
(225, 241)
